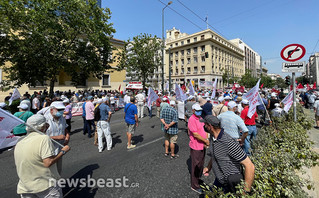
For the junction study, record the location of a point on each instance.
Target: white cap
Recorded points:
(2, 104)
(99, 101)
(221, 99)
(273, 94)
(164, 99)
(245, 101)
(277, 104)
(227, 98)
(208, 98)
(58, 105)
(197, 107)
(190, 97)
(172, 103)
(239, 93)
(159, 93)
(36, 120)
(23, 106)
(232, 104)
(66, 101)
(105, 99)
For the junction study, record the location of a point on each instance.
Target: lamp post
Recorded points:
(163, 46)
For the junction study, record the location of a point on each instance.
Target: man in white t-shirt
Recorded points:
(140, 104)
(36, 104)
(112, 103)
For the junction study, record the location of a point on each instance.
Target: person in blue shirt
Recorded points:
(103, 126)
(85, 129)
(131, 120)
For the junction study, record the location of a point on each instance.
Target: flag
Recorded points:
(252, 96)
(214, 89)
(152, 96)
(314, 86)
(120, 87)
(308, 87)
(15, 95)
(261, 86)
(166, 86)
(191, 89)
(7, 123)
(287, 101)
(299, 86)
(179, 93)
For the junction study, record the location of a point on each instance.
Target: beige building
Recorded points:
(111, 80)
(201, 56)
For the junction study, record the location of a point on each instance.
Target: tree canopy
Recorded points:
(40, 38)
(141, 56)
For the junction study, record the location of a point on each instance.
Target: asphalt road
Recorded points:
(145, 169)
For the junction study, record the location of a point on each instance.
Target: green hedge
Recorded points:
(279, 152)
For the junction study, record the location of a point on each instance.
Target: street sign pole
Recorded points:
(294, 90)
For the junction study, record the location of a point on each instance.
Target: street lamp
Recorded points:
(163, 46)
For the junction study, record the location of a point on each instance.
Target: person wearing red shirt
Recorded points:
(250, 123)
(158, 104)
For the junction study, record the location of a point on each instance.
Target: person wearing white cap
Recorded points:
(24, 115)
(140, 104)
(164, 104)
(232, 124)
(188, 107)
(277, 111)
(35, 161)
(169, 119)
(250, 123)
(57, 128)
(272, 101)
(221, 107)
(67, 113)
(198, 142)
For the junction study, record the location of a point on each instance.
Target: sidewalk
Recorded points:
(313, 173)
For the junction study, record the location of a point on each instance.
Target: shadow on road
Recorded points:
(116, 139)
(86, 191)
(137, 139)
(76, 131)
(189, 164)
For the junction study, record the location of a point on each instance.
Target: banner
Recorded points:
(181, 110)
(288, 100)
(7, 123)
(152, 96)
(252, 96)
(214, 89)
(16, 95)
(179, 93)
(77, 109)
(206, 84)
(191, 89)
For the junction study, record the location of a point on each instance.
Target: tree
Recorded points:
(281, 83)
(248, 80)
(303, 80)
(267, 81)
(141, 56)
(41, 38)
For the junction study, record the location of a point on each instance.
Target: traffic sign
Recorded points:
(293, 52)
(293, 67)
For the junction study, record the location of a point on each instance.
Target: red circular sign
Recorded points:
(293, 52)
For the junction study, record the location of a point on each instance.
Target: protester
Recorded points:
(188, 107)
(89, 115)
(67, 113)
(131, 120)
(57, 128)
(85, 125)
(164, 104)
(221, 107)
(36, 104)
(103, 126)
(272, 101)
(169, 119)
(232, 124)
(198, 142)
(112, 103)
(277, 111)
(24, 115)
(140, 104)
(158, 105)
(35, 161)
(207, 108)
(316, 109)
(227, 158)
(250, 124)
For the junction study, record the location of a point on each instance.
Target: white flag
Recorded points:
(252, 96)
(7, 123)
(152, 96)
(179, 93)
(214, 89)
(191, 89)
(167, 86)
(15, 95)
(288, 100)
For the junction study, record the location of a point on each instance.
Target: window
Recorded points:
(182, 42)
(171, 55)
(195, 50)
(182, 52)
(203, 48)
(202, 70)
(188, 41)
(188, 61)
(176, 54)
(176, 72)
(171, 63)
(182, 71)
(203, 58)
(171, 45)
(188, 51)
(195, 60)
(195, 69)
(176, 62)
(176, 44)
(188, 70)
(195, 39)
(106, 79)
(202, 37)
(182, 61)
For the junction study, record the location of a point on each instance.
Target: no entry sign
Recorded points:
(293, 52)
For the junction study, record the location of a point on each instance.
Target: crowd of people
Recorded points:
(219, 127)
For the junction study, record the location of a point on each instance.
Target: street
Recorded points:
(148, 172)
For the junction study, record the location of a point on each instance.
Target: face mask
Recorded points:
(58, 114)
(198, 113)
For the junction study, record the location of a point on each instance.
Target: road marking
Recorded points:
(146, 144)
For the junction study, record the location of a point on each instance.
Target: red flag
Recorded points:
(261, 86)
(120, 87)
(300, 86)
(234, 87)
(314, 86)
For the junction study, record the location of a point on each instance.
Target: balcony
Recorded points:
(188, 72)
(176, 73)
(195, 72)
(202, 71)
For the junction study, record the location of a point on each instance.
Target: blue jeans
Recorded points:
(150, 112)
(252, 133)
(85, 129)
(90, 124)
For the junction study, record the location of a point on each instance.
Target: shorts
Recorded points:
(317, 117)
(171, 138)
(130, 128)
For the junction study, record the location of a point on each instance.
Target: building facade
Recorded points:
(314, 68)
(111, 80)
(202, 56)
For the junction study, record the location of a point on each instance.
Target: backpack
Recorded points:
(97, 115)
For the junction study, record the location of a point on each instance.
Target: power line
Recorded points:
(313, 51)
(182, 16)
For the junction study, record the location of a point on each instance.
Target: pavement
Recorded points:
(145, 169)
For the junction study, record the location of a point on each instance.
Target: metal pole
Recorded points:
(294, 90)
(170, 72)
(163, 45)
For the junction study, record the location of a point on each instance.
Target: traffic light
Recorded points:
(287, 80)
(206, 54)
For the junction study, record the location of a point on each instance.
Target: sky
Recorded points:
(267, 26)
